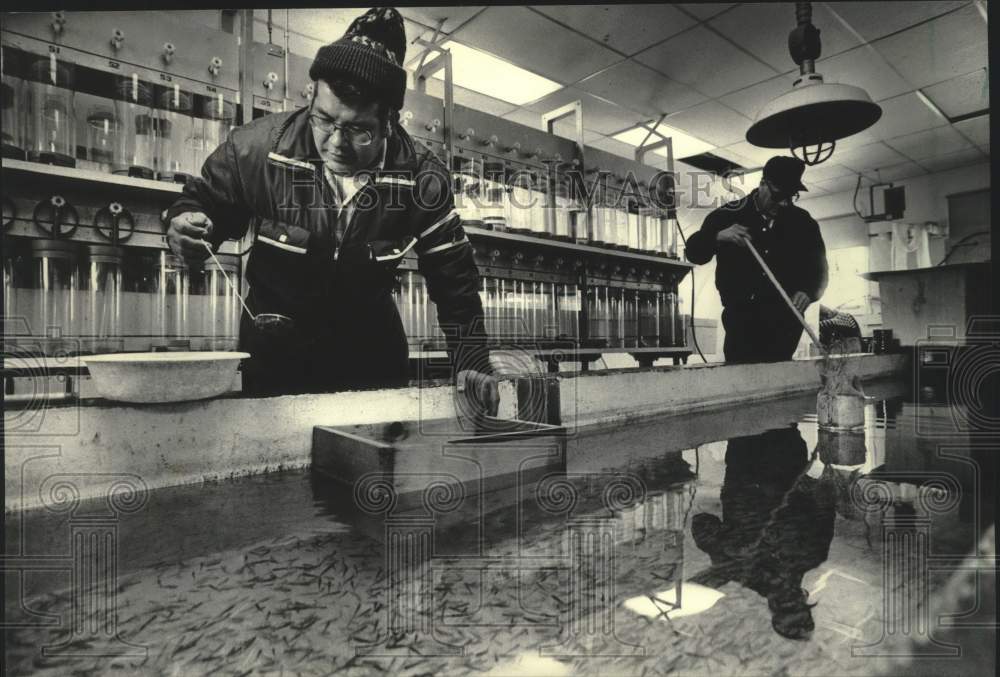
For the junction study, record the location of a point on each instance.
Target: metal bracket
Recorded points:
(426, 70)
(549, 121)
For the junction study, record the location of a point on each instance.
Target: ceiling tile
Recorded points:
(728, 153)
(940, 49)
(626, 28)
(530, 40)
(704, 60)
(614, 146)
(901, 115)
(964, 94)
(873, 20)
(962, 158)
(862, 67)
(706, 10)
(868, 158)
(712, 122)
(826, 171)
(976, 129)
(762, 29)
(470, 99)
(901, 171)
(641, 89)
(598, 115)
(749, 101)
(842, 184)
(454, 15)
(757, 155)
(930, 143)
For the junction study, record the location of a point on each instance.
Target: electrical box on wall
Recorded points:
(892, 199)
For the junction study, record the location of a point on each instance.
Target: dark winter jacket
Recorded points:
(793, 248)
(337, 287)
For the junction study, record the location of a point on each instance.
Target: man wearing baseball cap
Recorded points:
(759, 326)
(337, 193)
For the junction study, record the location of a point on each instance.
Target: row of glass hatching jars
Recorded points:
(65, 297)
(527, 204)
(122, 125)
(533, 312)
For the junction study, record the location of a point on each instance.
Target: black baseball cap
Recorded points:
(786, 173)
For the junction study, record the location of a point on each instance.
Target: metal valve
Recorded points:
(515, 148)
(117, 38)
(55, 216)
(115, 223)
(518, 256)
(495, 254)
(469, 133)
(534, 155)
(58, 22)
(307, 92)
(432, 125)
(215, 65)
(168, 52)
(560, 261)
(271, 80)
(406, 117)
(539, 259)
(491, 142)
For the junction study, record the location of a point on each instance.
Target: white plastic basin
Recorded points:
(163, 377)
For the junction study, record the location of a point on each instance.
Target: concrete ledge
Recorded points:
(619, 397)
(85, 448)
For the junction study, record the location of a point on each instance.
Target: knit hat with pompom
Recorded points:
(371, 52)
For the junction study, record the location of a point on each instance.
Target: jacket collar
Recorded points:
(294, 141)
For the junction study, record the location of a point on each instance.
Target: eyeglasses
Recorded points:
(358, 136)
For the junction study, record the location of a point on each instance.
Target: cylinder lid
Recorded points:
(104, 253)
(125, 88)
(182, 103)
(64, 249)
(41, 71)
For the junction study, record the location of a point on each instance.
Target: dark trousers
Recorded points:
(760, 332)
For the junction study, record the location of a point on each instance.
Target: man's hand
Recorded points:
(801, 301)
(482, 392)
(187, 234)
(734, 234)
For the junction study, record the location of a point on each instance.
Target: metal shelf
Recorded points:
(574, 247)
(89, 176)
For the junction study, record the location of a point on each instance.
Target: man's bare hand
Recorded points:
(801, 301)
(187, 233)
(735, 234)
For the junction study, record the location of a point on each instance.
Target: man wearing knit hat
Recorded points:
(337, 193)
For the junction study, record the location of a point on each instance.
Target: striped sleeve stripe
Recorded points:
(396, 181)
(289, 161)
(398, 254)
(281, 245)
(447, 245)
(452, 214)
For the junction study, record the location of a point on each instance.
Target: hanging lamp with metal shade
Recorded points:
(814, 115)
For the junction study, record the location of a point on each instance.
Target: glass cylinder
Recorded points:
(220, 311)
(102, 297)
(103, 137)
(603, 231)
(171, 296)
(650, 225)
(568, 307)
(630, 318)
(175, 154)
(634, 235)
(55, 286)
(599, 313)
(216, 118)
(135, 154)
(539, 197)
(649, 319)
(517, 204)
(494, 196)
(559, 213)
(668, 319)
(621, 227)
(12, 100)
(468, 188)
(668, 236)
(51, 116)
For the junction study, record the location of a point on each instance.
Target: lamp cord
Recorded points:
(694, 334)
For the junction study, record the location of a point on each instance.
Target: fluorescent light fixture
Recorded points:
(484, 73)
(685, 145)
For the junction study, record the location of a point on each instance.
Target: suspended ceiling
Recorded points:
(710, 67)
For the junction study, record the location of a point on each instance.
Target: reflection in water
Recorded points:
(777, 524)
